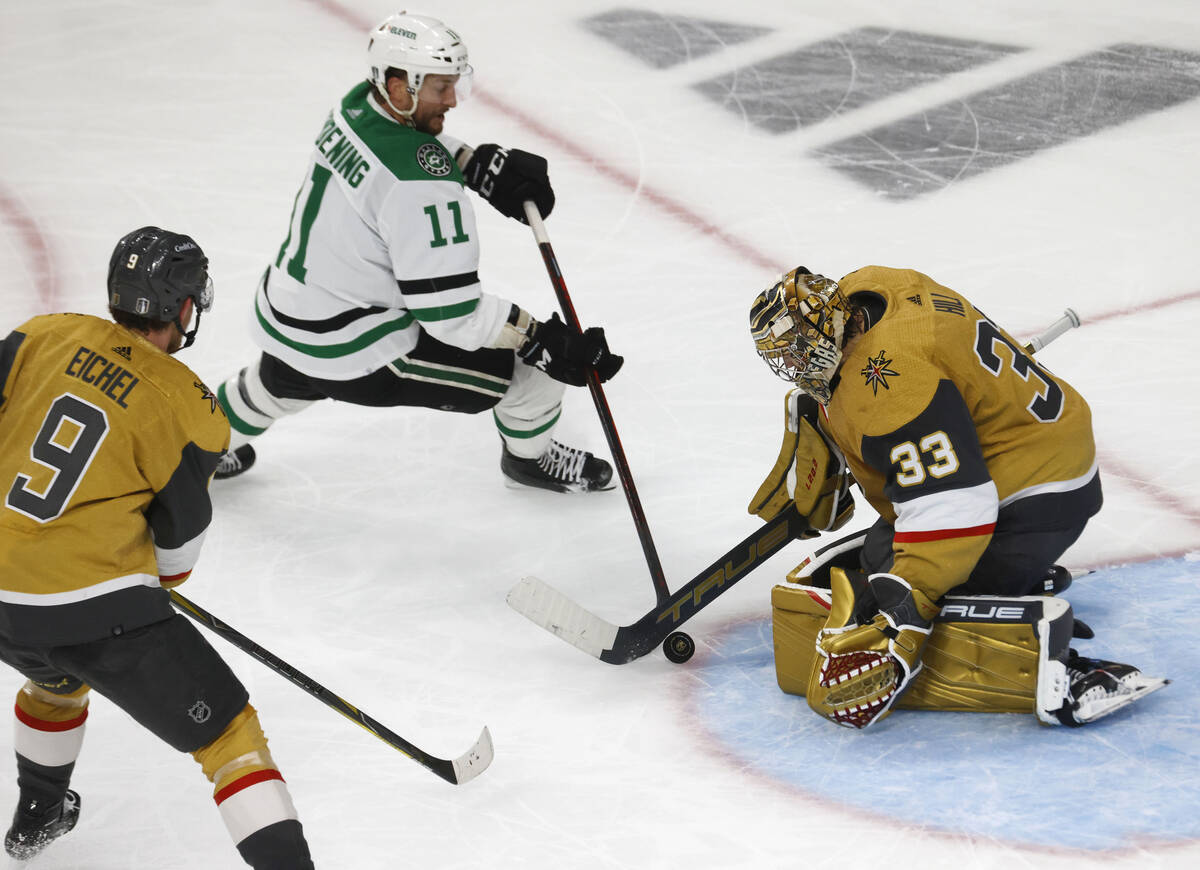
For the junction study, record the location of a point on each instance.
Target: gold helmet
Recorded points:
(797, 327)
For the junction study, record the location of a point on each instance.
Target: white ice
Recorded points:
(373, 549)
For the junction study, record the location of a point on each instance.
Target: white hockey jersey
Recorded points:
(382, 243)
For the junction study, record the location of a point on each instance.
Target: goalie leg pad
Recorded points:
(985, 654)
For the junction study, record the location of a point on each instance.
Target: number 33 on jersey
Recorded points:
(944, 417)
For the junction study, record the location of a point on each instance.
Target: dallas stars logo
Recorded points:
(877, 372)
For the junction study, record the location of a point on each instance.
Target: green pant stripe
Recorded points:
(482, 383)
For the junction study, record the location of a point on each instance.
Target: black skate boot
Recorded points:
(1099, 687)
(234, 462)
(1056, 582)
(559, 468)
(36, 826)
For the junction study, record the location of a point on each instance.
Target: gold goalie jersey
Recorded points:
(107, 445)
(945, 419)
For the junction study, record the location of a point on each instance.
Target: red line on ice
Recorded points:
(45, 276)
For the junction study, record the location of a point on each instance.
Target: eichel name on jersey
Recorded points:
(945, 420)
(104, 470)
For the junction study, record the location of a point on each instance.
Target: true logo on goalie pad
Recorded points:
(981, 611)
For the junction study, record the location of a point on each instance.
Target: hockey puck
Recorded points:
(678, 647)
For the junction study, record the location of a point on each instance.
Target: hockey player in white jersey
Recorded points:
(374, 297)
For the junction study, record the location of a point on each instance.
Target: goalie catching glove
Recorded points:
(506, 177)
(870, 649)
(810, 471)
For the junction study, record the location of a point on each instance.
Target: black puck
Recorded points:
(678, 647)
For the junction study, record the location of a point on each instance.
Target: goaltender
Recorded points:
(982, 468)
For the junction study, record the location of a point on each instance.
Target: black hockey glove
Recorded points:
(507, 177)
(567, 355)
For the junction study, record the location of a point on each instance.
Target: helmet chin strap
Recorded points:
(188, 337)
(412, 92)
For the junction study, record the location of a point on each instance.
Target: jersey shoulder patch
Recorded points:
(407, 153)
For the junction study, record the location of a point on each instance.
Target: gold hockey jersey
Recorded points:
(107, 445)
(944, 418)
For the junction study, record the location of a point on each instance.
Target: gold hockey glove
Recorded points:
(870, 649)
(810, 471)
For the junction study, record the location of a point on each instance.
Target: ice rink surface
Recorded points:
(1030, 155)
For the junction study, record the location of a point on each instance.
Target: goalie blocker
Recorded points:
(985, 653)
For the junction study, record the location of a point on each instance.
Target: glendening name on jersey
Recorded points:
(944, 420)
(104, 469)
(382, 243)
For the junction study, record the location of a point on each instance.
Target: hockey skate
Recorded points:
(1099, 688)
(559, 469)
(35, 827)
(234, 462)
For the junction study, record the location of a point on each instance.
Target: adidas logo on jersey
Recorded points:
(126, 352)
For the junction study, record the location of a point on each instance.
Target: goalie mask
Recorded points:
(797, 327)
(419, 46)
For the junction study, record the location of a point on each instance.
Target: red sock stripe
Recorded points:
(43, 725)
(245, 782)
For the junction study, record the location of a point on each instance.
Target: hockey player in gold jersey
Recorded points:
(107, 445)
(982, 467)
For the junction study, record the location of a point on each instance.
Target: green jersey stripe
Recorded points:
(331, 351)
(445, 312)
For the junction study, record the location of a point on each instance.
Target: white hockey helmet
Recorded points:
(420, 46)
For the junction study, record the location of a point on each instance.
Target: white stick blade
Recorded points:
(476, 759)
(558, 614)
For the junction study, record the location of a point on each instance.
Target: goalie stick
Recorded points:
(618, 644)
(544, 605)
(456, 771)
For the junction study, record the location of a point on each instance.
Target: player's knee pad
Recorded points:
(247, 786)
(985, 654)
(50, 725)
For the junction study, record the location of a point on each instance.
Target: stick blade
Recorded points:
(544, 605)
(475, 760)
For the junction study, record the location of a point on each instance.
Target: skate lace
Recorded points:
(563, 463)
(229, 461)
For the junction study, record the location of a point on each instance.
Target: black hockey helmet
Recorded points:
(153, 270)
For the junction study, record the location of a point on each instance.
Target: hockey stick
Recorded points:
(606, 418)
(456, 771)
(619, 644)
(1068, 321)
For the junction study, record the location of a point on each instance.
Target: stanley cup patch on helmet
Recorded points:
(434, 159)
